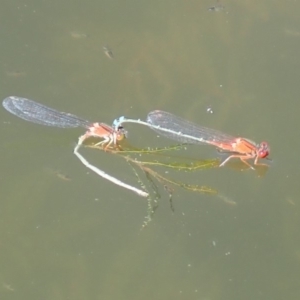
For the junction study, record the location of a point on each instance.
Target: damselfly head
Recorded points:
(121, 133)
(263, 150)
(117, 123)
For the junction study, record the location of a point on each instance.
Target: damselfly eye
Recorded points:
(263, 150)
(121, 133)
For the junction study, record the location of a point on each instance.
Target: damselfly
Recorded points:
(35, 112)
(181, 130)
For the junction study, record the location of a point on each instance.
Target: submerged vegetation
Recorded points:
(154, 165)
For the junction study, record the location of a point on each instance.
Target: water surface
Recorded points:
(81, 238)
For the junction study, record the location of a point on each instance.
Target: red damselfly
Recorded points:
(176, 128)
(35, 112)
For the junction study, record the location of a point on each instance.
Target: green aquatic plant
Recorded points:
(158, 161)
(148, 160)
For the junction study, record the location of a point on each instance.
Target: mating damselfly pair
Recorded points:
(164, 123)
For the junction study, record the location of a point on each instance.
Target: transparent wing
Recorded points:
(178, 129)
(35, 112)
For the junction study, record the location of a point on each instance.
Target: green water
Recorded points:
(67, 234)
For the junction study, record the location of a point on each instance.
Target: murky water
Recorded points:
(68, 234)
